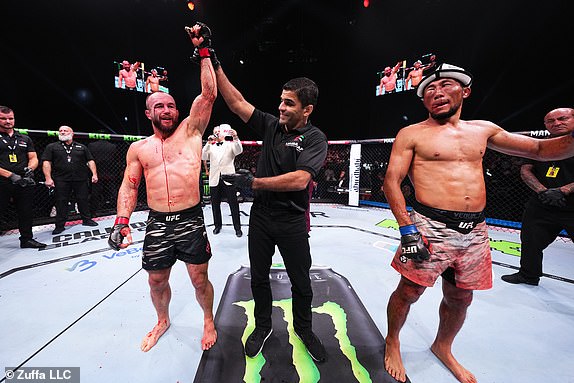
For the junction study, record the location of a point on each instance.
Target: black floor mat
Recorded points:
(354, 345)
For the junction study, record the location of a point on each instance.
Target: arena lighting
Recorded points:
(191, 5)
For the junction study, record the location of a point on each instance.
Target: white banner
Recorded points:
(354, 174)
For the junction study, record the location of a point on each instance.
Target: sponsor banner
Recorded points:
(354, 174)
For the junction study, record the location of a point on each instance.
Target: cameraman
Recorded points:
(221, 148)
(18, 160)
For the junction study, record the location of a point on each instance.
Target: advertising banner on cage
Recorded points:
(354, 174)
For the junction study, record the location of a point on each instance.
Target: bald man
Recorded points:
(69, 167)
(551, 208)
(170, 162)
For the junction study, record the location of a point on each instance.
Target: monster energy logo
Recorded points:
(304, 365)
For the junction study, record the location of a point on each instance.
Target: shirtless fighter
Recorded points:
(170, 161)
(128, 75)
(445, 234)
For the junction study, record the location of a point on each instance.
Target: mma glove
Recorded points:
(18, 180)
(240, 179)
(413, 244)
(120, 231)
(552, 197)
(204, 32)
(200, 53)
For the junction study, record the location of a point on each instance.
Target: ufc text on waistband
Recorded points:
(463, 222)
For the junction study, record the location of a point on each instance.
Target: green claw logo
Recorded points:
(306, 368)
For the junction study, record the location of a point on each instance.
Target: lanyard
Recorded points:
(12, 149)
(14, 143)
(68, 150)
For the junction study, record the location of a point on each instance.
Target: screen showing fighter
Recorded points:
(400, 77)
(133, 76)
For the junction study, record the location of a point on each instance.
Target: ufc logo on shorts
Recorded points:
(409, 249)
(171, 218)
(466, 225)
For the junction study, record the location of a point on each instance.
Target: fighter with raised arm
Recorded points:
(170, 161)
(128, 75)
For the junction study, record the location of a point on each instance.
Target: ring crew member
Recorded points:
(18, 159)
(69, 166)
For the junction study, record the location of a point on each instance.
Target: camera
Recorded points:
(225, 131)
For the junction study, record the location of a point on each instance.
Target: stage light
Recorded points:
(191, 5)
(366, 3)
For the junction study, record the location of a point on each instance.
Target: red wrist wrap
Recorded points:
(122, 220)
(204, 52)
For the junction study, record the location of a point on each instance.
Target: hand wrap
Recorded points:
(200, 53)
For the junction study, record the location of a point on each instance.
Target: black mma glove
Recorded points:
(206, 52)
(18, 180)
(241, 179)
(204, 32)
(120, 231)
(414, 245)
(552, 197)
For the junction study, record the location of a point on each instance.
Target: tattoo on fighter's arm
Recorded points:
(568, 188)
(530, 179)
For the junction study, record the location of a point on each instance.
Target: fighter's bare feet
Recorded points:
(209, 335)
(153, 336)
(446, 357)
(394, 362)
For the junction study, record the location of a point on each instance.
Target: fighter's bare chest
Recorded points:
(168, 155)
(451, 150)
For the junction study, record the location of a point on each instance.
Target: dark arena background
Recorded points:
(77, 304)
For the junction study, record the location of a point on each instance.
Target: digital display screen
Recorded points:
(133, 76)
(399, 76)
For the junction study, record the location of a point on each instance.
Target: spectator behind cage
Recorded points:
(67, 165)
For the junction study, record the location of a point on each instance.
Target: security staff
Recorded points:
(18, 160)
(66, 167)
(551, 208)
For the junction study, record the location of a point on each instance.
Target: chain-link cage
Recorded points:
(109, 153)
(506, 193)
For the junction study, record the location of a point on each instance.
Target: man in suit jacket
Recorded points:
(220, 151)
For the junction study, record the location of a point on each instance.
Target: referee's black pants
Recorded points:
(287, 230)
